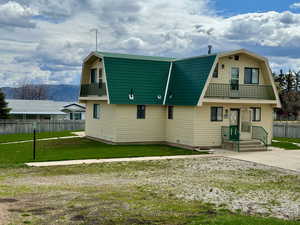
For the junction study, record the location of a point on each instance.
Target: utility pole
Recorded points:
(96, 32)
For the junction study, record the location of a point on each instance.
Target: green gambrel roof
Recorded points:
(188, 79)
(146, 77)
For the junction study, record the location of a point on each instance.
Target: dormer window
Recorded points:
(216, 71)
(93, 75)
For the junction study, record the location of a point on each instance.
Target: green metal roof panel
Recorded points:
(188, 79)
(146, 79)
(129, 56)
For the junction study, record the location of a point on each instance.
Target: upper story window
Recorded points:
(170, 112)
(93, 74)
(251, 76)
(96, 111)
(216, 71)
(141, 112)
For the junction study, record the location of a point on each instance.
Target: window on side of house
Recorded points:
(216, 71)
(93, 74)
(77, 116)
(170, 112)
(216, 114)
(96, 111)
(256, 114)
(141, 112)
(251, 76)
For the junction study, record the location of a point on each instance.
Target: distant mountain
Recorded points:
(61, 92)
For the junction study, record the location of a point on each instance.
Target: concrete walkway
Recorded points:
(135, 159)
(286, 159)
(42, 139)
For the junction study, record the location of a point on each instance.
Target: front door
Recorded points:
(246, 126)
(234, 134)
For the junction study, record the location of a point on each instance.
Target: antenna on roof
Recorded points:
(209, 49)
(96, 32)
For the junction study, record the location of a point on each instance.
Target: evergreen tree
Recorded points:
(4, 110)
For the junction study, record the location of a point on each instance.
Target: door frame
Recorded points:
(236, 136)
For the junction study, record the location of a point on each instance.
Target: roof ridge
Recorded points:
(135, 56)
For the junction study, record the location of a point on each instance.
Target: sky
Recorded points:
(45, 41)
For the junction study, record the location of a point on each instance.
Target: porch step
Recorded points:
(252, 146)
(250, 142)
(247, 146)
(258, 149)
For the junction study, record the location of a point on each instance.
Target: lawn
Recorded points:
(292, 140)
(285, 145)
(4, 138)
(166, 192)
(81, 148)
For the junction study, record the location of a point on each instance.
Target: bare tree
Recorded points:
(31, 91)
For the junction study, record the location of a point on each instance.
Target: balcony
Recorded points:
(240, 91)
(97, 89)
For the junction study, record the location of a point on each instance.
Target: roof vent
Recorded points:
(131, 95)
(209, 49)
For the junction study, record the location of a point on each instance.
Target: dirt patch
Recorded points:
(3, 214)
(8, 200)
(78, 218)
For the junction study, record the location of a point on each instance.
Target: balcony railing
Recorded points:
(216, 90)
(98, 89)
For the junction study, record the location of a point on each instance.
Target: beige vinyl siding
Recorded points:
(266, 120)
(208, 133)
(244, 61)
(131, 129)
(180, 129)
(105, 127)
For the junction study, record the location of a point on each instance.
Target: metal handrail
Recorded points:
(219, 90)
(260, 133)
(98, 89)
(225, 134)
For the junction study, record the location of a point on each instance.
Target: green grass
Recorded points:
(293, 140)
(4, 138)
(285, 145)
(80, 148)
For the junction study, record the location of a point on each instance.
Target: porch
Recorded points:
(231, 139)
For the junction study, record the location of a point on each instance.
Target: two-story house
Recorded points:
(206, 101)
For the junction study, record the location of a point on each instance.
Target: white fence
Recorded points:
(286, 130)
(26, 126)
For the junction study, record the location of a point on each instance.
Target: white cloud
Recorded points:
(12, 14)
(59, 36)
(296, 5)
